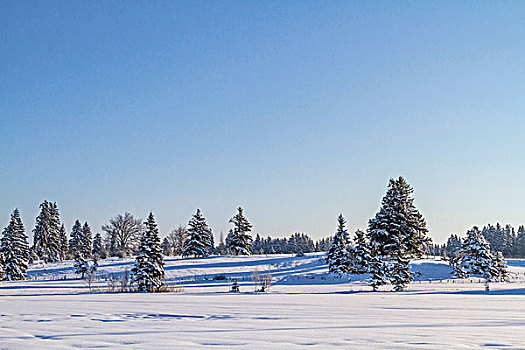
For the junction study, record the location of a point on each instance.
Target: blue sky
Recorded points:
(296, 111)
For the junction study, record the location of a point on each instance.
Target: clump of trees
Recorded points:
(474, 257)
(396, 235)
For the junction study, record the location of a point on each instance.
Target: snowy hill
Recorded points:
(305, 309)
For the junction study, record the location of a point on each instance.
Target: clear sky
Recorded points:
(295, 110)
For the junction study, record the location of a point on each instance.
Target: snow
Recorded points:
(305, 308)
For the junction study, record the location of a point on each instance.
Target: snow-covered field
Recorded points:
(304, 309)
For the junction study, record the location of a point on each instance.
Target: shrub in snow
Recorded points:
(239, 241)
(235, 286)
(148, 270)
(339, 255)
(267, 280)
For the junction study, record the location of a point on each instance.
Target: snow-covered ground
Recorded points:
(305, 308)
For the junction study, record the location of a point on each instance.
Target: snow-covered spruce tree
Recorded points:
(361, 257)
(148, 271)
(397, 233)
(46, 234)
(86, 242)
(97, 246)
(239, 241)
(64, 243)
(81, 265)
(198, 241)
(14, 249)
(339, 255)
(75, 237)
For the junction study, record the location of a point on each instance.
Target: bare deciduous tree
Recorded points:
(123, 234)
(176, 238)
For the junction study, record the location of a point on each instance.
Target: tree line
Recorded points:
(504, 239)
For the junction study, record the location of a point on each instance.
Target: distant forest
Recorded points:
(508, 240)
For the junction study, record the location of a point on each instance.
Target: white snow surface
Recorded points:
(305, 309)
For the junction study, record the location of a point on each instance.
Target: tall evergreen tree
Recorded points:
(239, 241)
(148, 271)
(339, 255)
(86, 243)
(64, 244)
(198, 237)
(46, 234)
(75, 238)
(398, 233)
(14, 249)
(97, 246)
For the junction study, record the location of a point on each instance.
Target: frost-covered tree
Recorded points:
(86, 242)
(14, 249)
(198, 237)
(177, 236)
(97, 246)
(361, 257)
(148, 271)
(123, 234)
(239, 241)
(397, 233)
(46, 234)
(64, 244)
(339, 255)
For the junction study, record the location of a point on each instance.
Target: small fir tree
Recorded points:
(239, 241)
(148, 271)
(198, 237)
(97, 246)
(339, 255)
(235, 286)
(81, 265)
(75, 238)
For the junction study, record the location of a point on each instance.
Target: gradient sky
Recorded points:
(295, 110)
